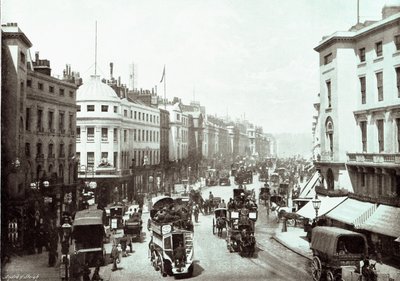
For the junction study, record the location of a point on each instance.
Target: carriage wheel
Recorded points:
(213, 226)
(316, 268)
(329, 276)
(161, 265)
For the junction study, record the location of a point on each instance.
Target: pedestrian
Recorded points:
(53, 247)
(196, 213)
(378, 251)
(114, 257)
(222, 204)
(123, 242)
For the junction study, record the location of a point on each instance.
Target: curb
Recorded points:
(299, 252)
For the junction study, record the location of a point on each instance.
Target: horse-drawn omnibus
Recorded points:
(241, 218)
(171, 244)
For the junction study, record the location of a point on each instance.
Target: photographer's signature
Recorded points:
(20, 276)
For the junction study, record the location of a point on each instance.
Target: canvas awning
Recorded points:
(352, 212)
(385, 220)
(308, 190)
(327, 204)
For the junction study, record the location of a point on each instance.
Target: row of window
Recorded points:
(379, 86)
(136, 115)
(50, 88)
(379, 48)
(50, 120)
(138, 135)
(141, 157)
(51, 150)
(381, 134)
(361, 51)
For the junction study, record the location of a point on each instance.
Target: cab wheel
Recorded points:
(213, 230)
(316, 268)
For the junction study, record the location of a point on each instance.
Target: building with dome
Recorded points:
(115, 134)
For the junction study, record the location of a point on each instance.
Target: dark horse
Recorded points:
(247, 245)
(220, 224)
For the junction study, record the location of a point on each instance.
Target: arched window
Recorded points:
(329, 133)
(330, 180)
(61, 172)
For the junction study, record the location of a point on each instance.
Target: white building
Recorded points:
(178, 140)
(360, 106)
(111, 132)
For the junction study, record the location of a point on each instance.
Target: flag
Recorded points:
(163, 74)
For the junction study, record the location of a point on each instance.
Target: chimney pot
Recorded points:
(37, 57)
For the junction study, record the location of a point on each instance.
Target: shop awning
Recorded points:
(327, 204)
(385, 220)
(308, 190)
(352, 211)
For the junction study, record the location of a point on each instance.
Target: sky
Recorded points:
(246, 59)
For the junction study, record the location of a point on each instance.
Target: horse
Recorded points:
(280, 211)
(247, 245)
(220, 224)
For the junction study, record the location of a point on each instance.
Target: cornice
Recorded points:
(18, 35)
(46, 100)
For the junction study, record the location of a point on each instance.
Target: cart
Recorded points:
(335, 249)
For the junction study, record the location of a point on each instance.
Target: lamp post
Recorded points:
(316, 204)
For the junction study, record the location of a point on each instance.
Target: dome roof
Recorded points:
(94, 89)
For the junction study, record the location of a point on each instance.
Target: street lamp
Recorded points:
(316, 204)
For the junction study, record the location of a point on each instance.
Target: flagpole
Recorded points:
(165, 89)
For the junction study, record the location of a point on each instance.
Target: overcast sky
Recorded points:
(251, 58)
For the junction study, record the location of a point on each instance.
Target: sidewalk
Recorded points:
(295, 240)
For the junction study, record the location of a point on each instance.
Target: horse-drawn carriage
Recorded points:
(211, 177)
(133, 227)
(224, 178)
(116, 214)
(240, 232)
(336, 251)
(219, 220)
(264, 195)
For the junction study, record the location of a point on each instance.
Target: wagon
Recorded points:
(335, 248)
(219, 220)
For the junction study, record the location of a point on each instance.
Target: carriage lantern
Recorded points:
(316, 204)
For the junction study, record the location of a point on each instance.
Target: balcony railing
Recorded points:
(374, 158)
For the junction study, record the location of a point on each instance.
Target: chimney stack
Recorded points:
(37, 56)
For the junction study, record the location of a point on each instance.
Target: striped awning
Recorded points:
(385, 220)
(352, 212)
(327, 204)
